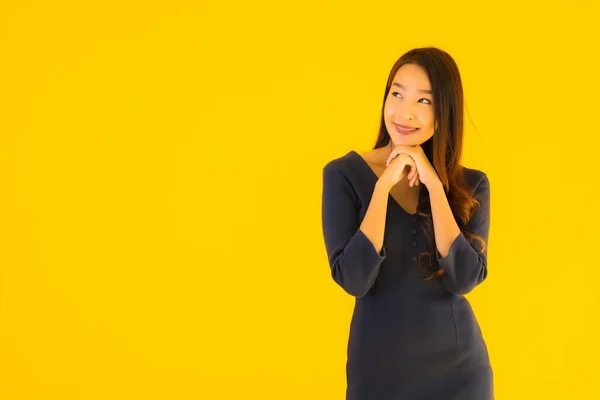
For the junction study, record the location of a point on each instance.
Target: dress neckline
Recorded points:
(374, 175)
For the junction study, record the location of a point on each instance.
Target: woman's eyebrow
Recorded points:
(420, 90)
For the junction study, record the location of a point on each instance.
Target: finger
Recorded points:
(410, 175)
(395, 153)
(412, 164)
(415, 180)
(390, 158)
(392, 155)
(401, 150)
(414, 176)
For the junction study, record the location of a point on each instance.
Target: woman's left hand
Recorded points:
(425, 170)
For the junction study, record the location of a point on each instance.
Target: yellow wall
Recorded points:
(160, 178)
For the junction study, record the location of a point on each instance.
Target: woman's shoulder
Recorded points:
(474, 178)
(473, 173)
(341, 163)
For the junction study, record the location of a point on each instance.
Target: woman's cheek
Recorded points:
(388, 111)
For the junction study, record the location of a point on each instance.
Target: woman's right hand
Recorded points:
(400, 167)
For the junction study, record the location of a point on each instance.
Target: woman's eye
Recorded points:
(395, 93)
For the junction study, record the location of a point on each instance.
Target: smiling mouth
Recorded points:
(404, 130)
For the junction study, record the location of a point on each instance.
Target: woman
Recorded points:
(408, 253)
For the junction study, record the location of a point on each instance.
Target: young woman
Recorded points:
(406, 230)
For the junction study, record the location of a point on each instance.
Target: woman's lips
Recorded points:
(405, 130)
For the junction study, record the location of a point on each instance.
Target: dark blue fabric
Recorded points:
(410, 338)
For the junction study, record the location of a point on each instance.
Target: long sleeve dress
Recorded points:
(410, 338)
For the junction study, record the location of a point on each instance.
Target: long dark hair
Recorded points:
(444, 148)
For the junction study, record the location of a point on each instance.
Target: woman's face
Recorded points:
(409, 102)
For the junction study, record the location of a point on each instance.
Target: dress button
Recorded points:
(414, 244)
(414, 258)
(414, 230)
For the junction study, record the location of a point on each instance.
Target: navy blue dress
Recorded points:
(410, 338)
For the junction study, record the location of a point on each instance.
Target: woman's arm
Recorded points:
(465, 266)
(373, 224)
(355, 250)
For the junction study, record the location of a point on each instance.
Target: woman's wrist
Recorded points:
(383, 185)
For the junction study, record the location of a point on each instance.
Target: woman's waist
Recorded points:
(414, 317)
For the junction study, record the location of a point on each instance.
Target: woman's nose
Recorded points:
(408, 117)
(407, 113)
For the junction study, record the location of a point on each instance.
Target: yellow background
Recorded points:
(160, 177)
